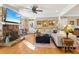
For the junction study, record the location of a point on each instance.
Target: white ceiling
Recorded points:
(49, 10)
(73, 12)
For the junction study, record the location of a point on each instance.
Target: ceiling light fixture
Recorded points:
(57, 11)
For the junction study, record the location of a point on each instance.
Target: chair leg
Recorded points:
(66, 49)
(71, 48)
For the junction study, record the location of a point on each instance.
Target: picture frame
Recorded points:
(78, 22)
(72, 22)
(51, 23)
(45, 23)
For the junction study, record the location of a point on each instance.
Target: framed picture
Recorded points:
(72, 22)
(51, 23)
(78, 22)
(39, 22)
(45, 23)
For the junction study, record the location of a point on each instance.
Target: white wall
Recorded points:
(33, 29)
(63, 21)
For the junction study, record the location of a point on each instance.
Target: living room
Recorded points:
(39, 28)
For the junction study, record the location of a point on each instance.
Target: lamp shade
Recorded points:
(68, 28)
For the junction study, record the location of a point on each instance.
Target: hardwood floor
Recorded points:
(22, 48)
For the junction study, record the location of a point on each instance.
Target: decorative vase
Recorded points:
(7, 40)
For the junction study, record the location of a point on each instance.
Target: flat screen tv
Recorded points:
(12, 16)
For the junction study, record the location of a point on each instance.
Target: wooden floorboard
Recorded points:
(21, 48)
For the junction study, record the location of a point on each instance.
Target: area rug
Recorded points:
(50, 45)
(29, 45)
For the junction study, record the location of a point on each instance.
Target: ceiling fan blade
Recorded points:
(28, 8)
(39, 10)
(35, 12)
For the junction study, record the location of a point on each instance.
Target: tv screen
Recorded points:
(12, 16)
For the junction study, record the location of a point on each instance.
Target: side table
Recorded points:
(67, 43)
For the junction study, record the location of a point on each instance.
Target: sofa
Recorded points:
(43, 39)
(61, 34)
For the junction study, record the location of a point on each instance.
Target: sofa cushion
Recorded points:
(43, 39)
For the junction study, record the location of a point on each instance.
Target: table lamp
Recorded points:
(68, 29)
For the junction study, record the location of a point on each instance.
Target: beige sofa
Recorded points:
(59, 35)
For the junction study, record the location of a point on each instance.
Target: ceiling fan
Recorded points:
(35, 9)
